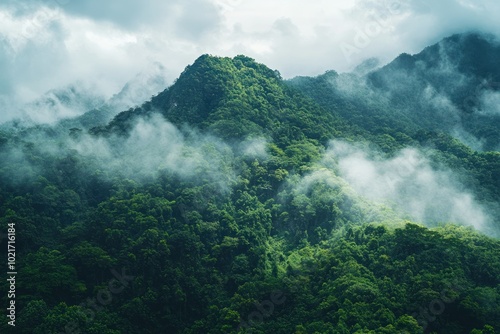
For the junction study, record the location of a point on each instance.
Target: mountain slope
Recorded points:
(222, 205)
(442, 98)
(65, 103)
(444, 87)
(237, 98)
(451, 86)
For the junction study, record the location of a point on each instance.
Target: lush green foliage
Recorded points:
(282, 244)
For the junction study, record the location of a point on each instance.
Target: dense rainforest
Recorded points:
(235, 201)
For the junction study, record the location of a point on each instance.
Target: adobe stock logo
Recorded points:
(429, 313)
(90, 307)
(262, 310)
(228, 5)
(379, 22)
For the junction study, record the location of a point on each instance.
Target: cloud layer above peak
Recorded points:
(47, 44)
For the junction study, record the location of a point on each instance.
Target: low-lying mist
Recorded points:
(153, 146)
(73, 100)
(409, 183)
(490, 103)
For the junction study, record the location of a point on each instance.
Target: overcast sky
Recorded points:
(52, 43)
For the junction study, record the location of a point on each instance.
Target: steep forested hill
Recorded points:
(237, 202)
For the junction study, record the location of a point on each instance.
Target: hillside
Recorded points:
(237, 202)
(452, 86)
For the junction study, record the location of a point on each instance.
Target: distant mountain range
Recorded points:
(452, 86)
(79, 105)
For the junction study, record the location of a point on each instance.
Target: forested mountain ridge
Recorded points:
(236, 202)
(224, 95)
(444, 98)
(452, 86)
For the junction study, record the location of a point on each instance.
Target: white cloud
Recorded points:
(490, 103)
(408, 182)
(47, 44)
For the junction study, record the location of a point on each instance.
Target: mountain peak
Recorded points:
(228, 64)
(202, 92)
(471, 53)
(235, 98)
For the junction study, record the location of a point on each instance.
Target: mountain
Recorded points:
(79, 106)
(237, 98)
(234, 201)
(137, 90)
(451, 86)
(64, 103)
(455, 78)
(141, 88)
(446, 91)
